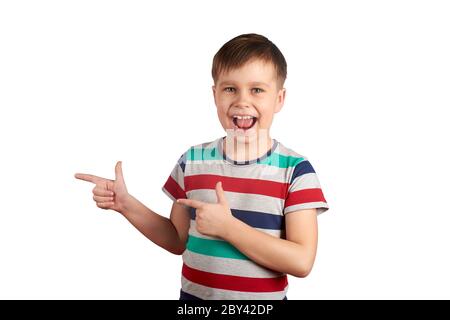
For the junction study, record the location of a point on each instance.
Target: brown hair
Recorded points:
(239, 50)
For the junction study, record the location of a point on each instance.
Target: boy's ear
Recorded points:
(214, 94)
(280, 99)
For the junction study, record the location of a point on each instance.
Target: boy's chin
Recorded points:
(247, 139)
(252, 135)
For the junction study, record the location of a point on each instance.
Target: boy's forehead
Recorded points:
(254, 72)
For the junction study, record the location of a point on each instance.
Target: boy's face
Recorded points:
(247, 99)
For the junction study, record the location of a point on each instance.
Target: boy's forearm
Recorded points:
(271, 252)
(155, 227)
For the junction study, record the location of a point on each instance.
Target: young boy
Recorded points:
(245, 206)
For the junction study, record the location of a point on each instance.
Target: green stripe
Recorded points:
(281, 161)
(215, 248)
(195, 154)
(275, 159)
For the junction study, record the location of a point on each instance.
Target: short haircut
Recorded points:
(241, 49)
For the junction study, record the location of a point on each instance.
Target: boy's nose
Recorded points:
(243, 100)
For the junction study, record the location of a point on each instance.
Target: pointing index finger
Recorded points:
(88, 177)
(191, 203)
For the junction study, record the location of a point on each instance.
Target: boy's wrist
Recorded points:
(229, 227)
(127, 204)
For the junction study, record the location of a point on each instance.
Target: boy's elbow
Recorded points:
(302, 270)
(178, 250)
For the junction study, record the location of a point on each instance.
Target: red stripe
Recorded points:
(241, 185)
(227, 282)
(174, 189)
(304, 196)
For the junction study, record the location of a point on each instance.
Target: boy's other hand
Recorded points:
(108, 194)
(212, 219)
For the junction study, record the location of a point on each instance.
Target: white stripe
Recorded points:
(233, 267)
(178, 176)
(241, 201)
(204, 162)
(260, 171)
(305, 181)
(321, 207)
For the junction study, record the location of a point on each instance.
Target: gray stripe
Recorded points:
(241, 201)
(306, 181)
(207, 293)
(233, 267)
(178, 175)
(321, 207)
(206, 162)
(261, 171)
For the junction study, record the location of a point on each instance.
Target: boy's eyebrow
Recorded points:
(255, 83)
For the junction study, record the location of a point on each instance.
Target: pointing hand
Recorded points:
(108, 194)
(212, 219)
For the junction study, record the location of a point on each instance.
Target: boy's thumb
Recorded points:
(220, 193)
(119, 174)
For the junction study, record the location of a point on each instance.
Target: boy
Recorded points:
(245, 206)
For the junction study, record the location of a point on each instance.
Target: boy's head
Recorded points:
(249, 73)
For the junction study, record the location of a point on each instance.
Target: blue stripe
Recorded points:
(182, 161)
(301, 169)
(254, 219)
(187, 296)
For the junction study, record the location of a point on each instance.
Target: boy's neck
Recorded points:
(238, 149)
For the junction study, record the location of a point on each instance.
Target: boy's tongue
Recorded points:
(244, 123)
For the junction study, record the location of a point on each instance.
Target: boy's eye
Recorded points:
(257, 90)
(229, 89)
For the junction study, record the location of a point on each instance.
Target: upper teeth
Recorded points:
(243, 117)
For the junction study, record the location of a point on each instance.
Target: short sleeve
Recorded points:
(304, 190)
(174, 186)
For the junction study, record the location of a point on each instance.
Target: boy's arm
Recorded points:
(294, 256)
(170, 234)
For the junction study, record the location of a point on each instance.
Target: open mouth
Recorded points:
(244, 122)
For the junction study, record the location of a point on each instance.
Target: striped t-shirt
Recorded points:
(259, 192)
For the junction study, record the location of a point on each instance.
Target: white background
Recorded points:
(86, 83)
